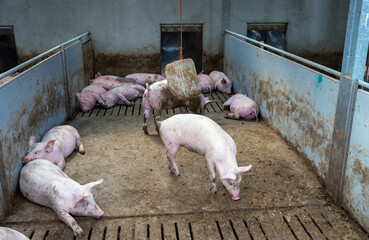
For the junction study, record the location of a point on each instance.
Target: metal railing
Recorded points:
(54, 49)
(295, 57)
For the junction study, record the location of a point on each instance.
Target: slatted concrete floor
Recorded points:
(136, 108)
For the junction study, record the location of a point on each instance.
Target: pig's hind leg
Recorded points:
(79, 145)
(70, 221)
(232, 116)
(172, 150)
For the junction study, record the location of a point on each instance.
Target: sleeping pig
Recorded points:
(44, 183)
(122, 95)
(202, 135)
(241, 107)
(143, 78)
(89, 96)
(221, 82)
(57, 144)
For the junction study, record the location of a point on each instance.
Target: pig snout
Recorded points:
(235, 194)
(97, 212)
(26, 160)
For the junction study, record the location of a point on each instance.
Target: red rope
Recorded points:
(180, 48)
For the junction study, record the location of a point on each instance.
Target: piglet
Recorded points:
(143, 78)
(57, 144)
(158, 98)
(202, 135)
(241, 107)
(89, 97)
(206, 83)
(122, 95)
(44, 183)
(10, 234)
(221, 82)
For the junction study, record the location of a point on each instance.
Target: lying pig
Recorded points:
(122, 95)
(57, 144)
(158, 97)
(108, 84)
(143, 78)
(242, 107)
(206, 83)
(89, 96)
(202, 135)
(7, 78)
(44, 183)
(10, 234)
(115, 78)
(221, 82)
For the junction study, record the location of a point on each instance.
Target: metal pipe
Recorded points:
(300, 59)
(363, 84)
(32, 60)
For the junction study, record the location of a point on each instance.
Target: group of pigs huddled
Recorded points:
(43, 181)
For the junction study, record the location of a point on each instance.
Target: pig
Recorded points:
(206, 83)
(7, 78)
(108, 84)
(44, 183)
(221, 82)
(241, 107)
(202, 135)
(10, 234)
(143, 78)
(115, 78)
(89, 96)
(122, 95)
(158, 97)
(57, 144)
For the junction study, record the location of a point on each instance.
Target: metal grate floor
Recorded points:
(136, 108)
(305, 222)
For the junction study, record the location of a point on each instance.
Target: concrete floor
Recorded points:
(281, 198)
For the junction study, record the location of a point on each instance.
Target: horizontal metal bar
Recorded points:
(363, 84)
(32, 60)
(300, 59)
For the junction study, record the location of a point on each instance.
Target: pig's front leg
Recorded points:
(69, 220)
(146, 120)
(212, 178)
(183, 110)
(157, 114)
(124, 99)
(171, 155)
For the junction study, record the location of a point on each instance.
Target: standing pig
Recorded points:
(44, 183)
(10, 234)
(207, 138)
(122, 95)
(89, 96)
(57, 144)
(158, 97)
(143, 78)
(221, 82)
(206, 83)
(242, 107)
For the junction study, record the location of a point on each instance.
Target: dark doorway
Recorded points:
(8, 56)
(171, 40)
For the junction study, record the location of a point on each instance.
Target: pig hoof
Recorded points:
(78, 231)
(82, 152)
(214, 190)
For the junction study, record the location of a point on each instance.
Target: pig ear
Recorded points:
(229, 175)
(223, 81)
(32, 140)
(93, 184)
(80, 195)
(241, 170)
(201, 72)
(50, 146)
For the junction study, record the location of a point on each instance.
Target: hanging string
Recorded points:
(180, 48)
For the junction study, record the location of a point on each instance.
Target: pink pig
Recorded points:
(206, 83)
(10, 234)
(158, 97)
(44, 183)
(89, 96)
(202, 135)
(108, 84)
(57, 144)
(143, 78)
(241, 106)
(221, 82)
(122, 95)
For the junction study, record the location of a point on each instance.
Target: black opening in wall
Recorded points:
(8, 52)
(171, 40)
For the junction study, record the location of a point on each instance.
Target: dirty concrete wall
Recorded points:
(32, 104)
(297, 102)
(356, 182)
(126, 34)
(315, 29)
